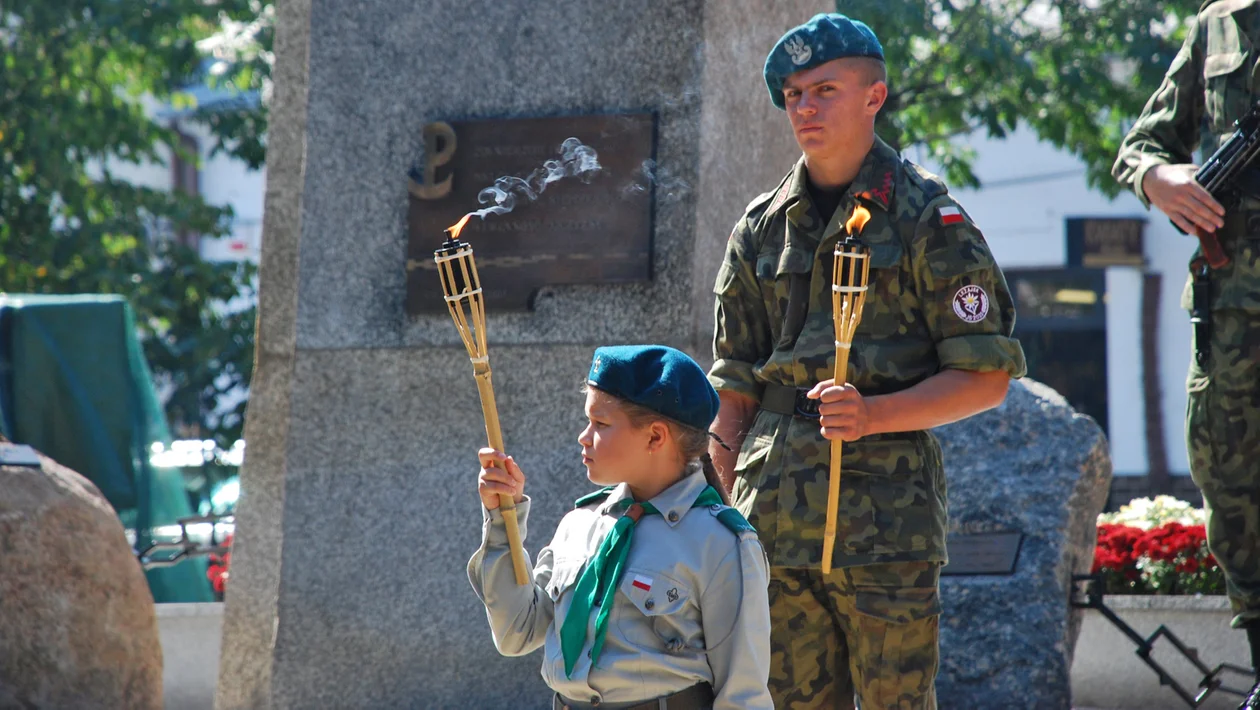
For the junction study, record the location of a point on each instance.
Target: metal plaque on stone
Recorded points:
(18, 455)
(596, 230)
(992, 553)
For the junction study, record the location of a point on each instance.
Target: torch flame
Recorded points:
(858, 220)
(458, 227)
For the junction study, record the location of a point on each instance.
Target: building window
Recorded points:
(184, 178)
(1061, 322)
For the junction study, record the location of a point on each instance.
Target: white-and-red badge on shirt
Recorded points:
(950, 215)
(971, 303)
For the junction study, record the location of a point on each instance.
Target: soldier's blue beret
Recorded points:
(659, 378)
(824, 38)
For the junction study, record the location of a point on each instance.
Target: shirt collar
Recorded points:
(873, 185)
(673, 502)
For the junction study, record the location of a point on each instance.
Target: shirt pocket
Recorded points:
(897, 605)
(1225, 77)
(658, 613)
(564, 577)
(750, 464)
(882, 314)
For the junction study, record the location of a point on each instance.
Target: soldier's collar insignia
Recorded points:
(780, 198)
(877, 179)
(880, 194)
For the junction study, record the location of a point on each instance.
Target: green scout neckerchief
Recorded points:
(601, 577)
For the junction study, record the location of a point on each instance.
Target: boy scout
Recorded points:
(1210, 84)
(652, 593)
(934, 346)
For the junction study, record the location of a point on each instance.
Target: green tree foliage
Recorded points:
(1076, 73)
(75, 79)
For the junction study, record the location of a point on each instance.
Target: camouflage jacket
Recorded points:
(937, 300)
(1211, 83)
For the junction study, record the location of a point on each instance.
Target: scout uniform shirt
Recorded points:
(1213, 77)
(937, 300)
(692, 605)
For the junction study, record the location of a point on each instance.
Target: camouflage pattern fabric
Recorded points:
(887, 617)
(1210, 84)
(937, 300)
(1223, 438)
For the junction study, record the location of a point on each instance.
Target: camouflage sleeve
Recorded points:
(741, 333)
(1168, 129)
(966, 303)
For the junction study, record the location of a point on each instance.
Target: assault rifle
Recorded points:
(1219, 175)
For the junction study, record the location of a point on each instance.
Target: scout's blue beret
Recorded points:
(824, 38)
(659, 378)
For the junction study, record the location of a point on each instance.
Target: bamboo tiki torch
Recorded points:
(848, 295)
(462, 287)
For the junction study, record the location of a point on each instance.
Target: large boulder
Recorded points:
(78, 627)
(1032, 466)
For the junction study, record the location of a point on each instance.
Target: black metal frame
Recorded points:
(1090, 588)
(185, 548)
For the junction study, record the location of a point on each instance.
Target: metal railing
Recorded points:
(1087, 593)
(165, 553)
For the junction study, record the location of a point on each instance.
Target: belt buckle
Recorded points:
(806, 407)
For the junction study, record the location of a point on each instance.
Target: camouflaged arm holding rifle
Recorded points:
(1220, 175)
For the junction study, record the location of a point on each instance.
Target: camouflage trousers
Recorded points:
(1223, 439)
(869, 631)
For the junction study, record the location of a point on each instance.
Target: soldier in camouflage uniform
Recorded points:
(934, 345)
(1211, 83)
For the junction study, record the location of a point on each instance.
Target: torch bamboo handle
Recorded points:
(833, 478)
(507, 506)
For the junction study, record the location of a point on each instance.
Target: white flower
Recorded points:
(1147, 513)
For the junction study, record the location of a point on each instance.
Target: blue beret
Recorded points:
(824, 38)
(659, 378)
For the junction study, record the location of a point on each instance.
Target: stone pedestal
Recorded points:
(358, 509)
(1036, 467)
(77, 622)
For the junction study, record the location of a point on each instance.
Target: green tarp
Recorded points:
(74, 384)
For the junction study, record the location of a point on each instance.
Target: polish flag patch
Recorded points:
(641, 582)
(949, 215)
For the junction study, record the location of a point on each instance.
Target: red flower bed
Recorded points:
(1170, 559)
(218, 570)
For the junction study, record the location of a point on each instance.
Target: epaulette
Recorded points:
(594, 497)
(734, 520)
(931, 185)
(760, 200)
(778, 195)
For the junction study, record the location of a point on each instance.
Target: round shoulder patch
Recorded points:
(971, 303)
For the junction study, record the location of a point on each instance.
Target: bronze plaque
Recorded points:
(983, 553)
(574, 232)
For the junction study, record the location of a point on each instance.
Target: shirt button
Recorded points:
(673, 516)
(649, 605)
